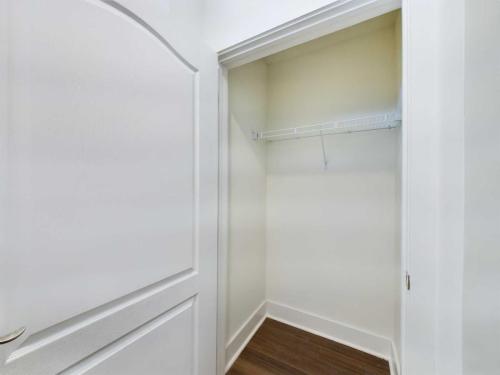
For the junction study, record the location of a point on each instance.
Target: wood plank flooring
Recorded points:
(279, 349)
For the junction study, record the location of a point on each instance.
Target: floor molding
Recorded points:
(354, 337)
(351, 336)
(241, 338)
(395, 368)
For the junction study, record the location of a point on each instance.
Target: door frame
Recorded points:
(419, 154)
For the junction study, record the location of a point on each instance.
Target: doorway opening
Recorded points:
(310, 230)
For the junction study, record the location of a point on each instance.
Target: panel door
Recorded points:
(99, 251)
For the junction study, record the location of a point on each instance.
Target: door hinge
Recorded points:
(408, 281)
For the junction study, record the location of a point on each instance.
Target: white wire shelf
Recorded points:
(361, 124)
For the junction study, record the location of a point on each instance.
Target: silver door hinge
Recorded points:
(407, 281)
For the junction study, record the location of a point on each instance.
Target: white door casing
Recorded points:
(100, 194)
(420, 158)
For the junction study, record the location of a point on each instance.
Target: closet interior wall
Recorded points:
(246, 268)
(322, 241)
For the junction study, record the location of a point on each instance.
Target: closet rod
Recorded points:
(361, 124)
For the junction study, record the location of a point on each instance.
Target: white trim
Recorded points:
(342, 333)
(405, 174)
(395, 368)
(335, 16)
(392, 370)
(223, 217)
(420, 185)
(244, 334)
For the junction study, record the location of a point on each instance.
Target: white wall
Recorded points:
(332, 235)
(229, 22)
(247, 186)
(482, 188)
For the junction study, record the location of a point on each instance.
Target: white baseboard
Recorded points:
(354, 337)
(241, 338)
(342, 333)
(395, 369)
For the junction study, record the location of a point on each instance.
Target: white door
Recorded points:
(103, 260)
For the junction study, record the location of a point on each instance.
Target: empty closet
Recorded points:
(314, 191)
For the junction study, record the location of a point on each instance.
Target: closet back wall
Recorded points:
(332, 246)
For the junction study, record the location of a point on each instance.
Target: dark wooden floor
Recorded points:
(278, 348)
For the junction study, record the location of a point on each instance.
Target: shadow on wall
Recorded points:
(373, 152)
